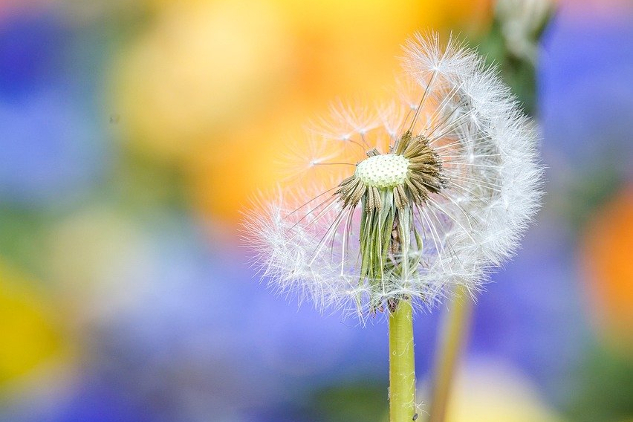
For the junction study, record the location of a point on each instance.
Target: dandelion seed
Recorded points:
(418, 197)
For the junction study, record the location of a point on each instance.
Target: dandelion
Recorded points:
(431, 191)
(390, 210)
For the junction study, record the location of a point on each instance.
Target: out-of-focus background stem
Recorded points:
(453, 336)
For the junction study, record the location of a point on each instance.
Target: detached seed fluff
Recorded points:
(404, 202)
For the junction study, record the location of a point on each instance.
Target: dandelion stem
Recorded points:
(401, 364)
(454, 332)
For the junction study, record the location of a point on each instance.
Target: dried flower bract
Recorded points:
(428, 192)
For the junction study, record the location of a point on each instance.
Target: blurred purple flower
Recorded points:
(94, 401)
(201, 337)
(48, 149)
(585, 93)
(532, 314)
(50, 146)
(32, 47)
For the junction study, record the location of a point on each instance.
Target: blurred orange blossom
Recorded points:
(221, 88)
(607, 262)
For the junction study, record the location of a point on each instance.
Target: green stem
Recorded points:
(401, 364)
(455, 329)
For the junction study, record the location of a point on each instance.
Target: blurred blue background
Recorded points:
(132, 135)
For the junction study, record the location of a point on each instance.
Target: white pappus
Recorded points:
(428, 192)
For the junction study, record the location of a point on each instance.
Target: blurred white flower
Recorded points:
(428, 192)
(495, 391)
(521, 22)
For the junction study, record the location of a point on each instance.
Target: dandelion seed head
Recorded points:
(430, 191)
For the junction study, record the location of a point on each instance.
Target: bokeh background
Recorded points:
(133, 134)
